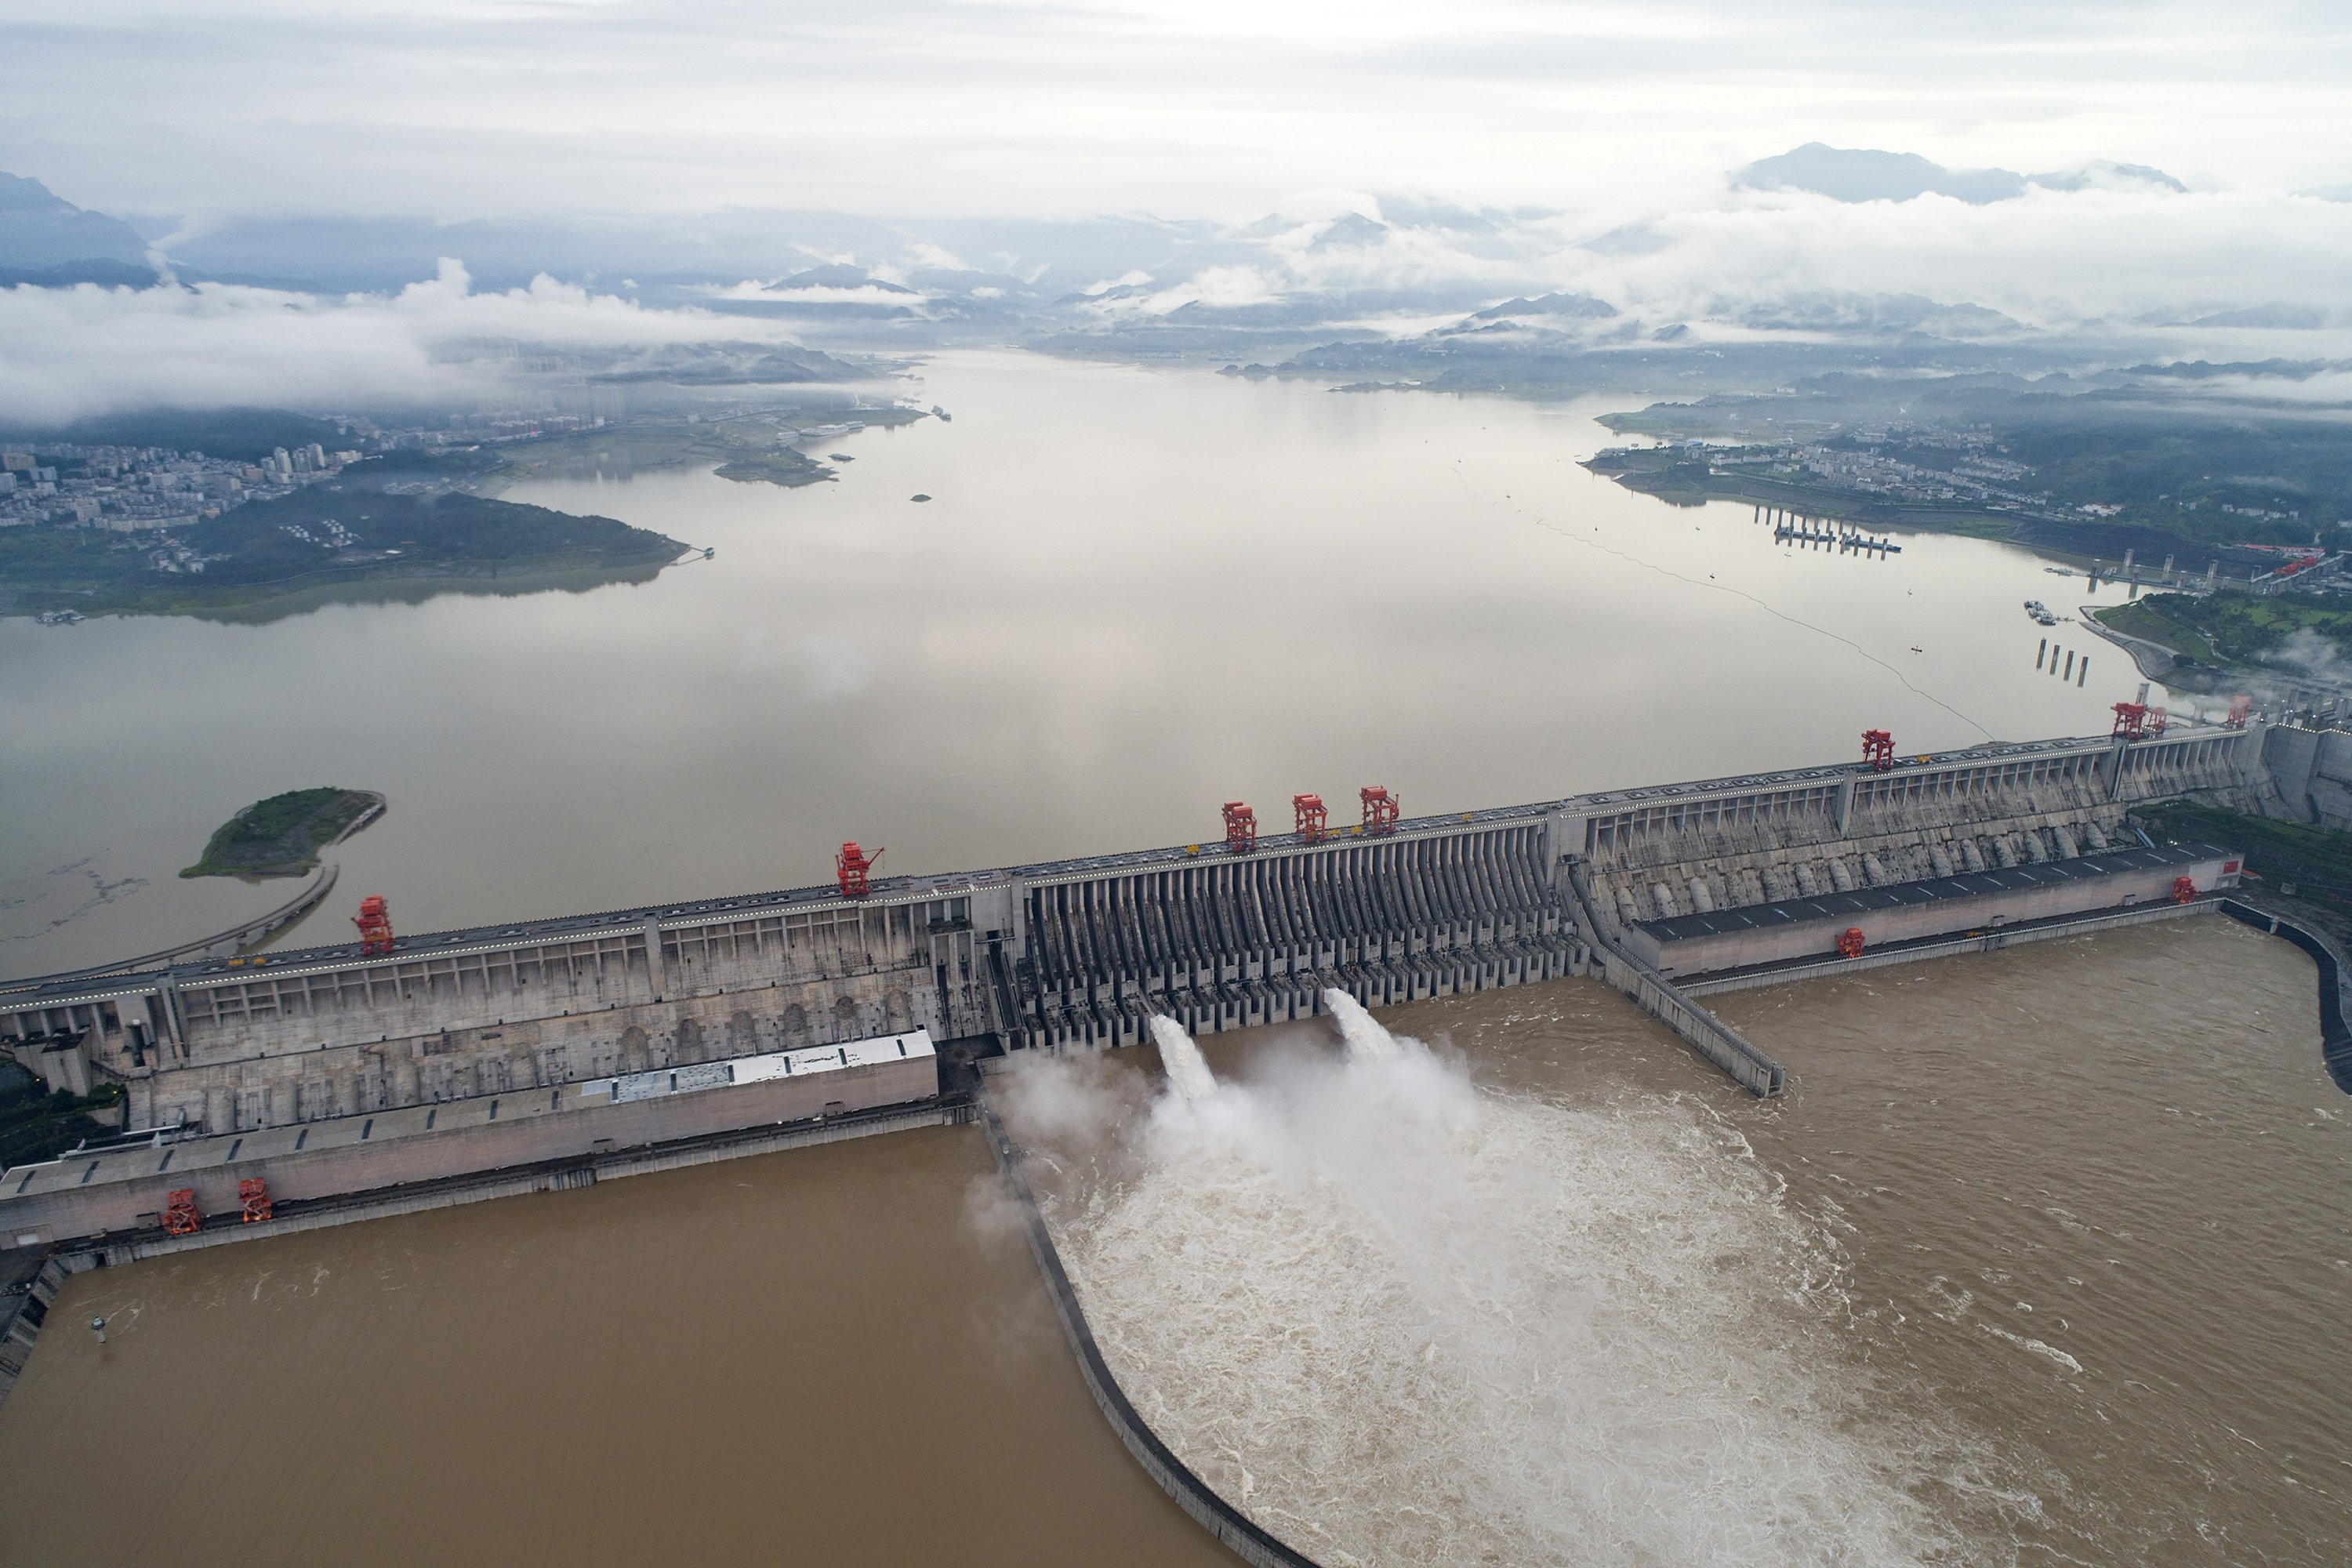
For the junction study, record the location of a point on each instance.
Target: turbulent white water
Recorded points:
(1400, 1319)
(1188, 1076)
(1366, 1041)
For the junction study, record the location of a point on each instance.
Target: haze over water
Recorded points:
(1134, 595)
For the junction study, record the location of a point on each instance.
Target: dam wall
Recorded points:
(1080, 953)
(2312, 771)
(125, 1188)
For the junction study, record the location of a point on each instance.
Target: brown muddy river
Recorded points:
(2041, 1260)
(805, 1357)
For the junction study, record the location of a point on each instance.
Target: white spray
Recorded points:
(1401, 1318)
(1188, 1075)
(1366, 1041)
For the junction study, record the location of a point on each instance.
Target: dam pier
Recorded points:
(342, 1076)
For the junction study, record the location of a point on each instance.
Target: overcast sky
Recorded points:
(1220, 107)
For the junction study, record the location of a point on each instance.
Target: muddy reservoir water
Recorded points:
(1133, 595)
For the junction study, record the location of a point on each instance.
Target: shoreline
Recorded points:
(261, 603)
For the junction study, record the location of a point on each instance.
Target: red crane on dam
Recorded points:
(1380, 808)
(849, 867)
(180, 1214)
(1308, 809)
(1878, 749)
(375, 920)
(1241, 828)
(2131, 720)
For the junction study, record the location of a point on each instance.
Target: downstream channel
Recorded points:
(2033, 1262)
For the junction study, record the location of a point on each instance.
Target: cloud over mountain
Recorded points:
(1866, 174)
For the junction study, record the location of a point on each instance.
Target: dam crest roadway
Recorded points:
(1667, 891)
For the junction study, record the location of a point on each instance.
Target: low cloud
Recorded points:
(74, 352)
(2051, 259)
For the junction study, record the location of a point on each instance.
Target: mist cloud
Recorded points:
(69, 352)
(1064, 108)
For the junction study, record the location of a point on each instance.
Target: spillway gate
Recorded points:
(1229, 941)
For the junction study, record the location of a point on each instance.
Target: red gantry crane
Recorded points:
(1308, 809)
(850, 866)
(1241, 828)
(375, 920)
(1878, 749)
(1380, 808)
(180, 1216)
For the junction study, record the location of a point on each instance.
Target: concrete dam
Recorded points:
(558, 1045)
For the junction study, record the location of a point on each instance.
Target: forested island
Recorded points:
(749, 445)
(281, 837)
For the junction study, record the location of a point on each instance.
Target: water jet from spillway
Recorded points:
(1366, 1040)
(1188, 1075)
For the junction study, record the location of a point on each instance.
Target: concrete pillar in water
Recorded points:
(656, 973)
(2070, 667)
(2085, 676)
(2039, 652)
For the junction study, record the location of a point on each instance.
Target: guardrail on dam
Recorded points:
(1083, 952)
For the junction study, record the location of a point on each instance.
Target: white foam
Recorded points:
(1402, 1319)
(1365, 1039)
(1188, 1078)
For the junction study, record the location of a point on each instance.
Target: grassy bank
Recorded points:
(36, 1125)
(2241, 625)
(2316, 860)
(2139, 619)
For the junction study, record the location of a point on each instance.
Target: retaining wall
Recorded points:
(2335, 1035)
(1241, 1534)
(1941, 947)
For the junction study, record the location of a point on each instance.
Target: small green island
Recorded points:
(281, 837)
(777, 466)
